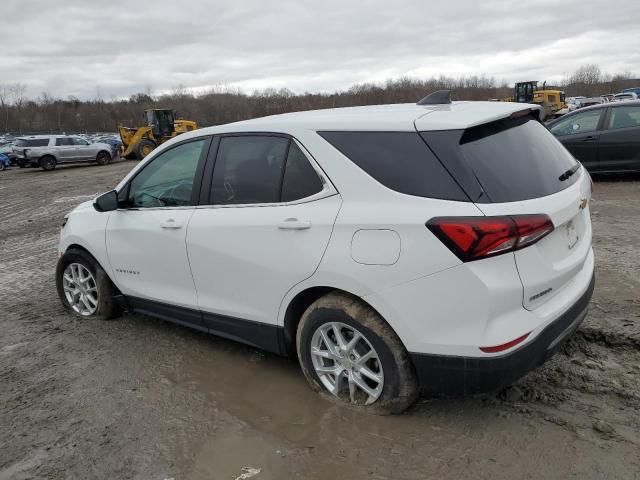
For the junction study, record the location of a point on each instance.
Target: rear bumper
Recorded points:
(443, 374)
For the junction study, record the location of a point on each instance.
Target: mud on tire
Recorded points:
(400, 387)
(107, 307)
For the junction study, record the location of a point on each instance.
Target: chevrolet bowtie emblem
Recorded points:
(583, 203)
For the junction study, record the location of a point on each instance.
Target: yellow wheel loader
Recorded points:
(551, 100)
(161, 126)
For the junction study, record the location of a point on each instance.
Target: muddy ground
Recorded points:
(140, 398)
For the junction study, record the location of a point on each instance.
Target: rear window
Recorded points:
(400, 161)
(512, 159)
(32, 142)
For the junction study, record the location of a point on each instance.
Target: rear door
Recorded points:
(262, 227)
(522, 169)
(619, 146)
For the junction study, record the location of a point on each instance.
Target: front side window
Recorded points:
(64, 142)
(167, 181)
(583, 122)
(248, 170)
(79, 141)
(624, 117)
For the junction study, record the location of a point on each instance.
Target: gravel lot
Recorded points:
(141, 398)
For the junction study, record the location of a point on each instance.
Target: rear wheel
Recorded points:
(2, 166)
(84, 288)
(144, 148)
(350, 353)
(103, 158)
(48, 163)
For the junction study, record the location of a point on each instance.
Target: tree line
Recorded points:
(218, 105)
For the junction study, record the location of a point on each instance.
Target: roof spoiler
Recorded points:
(439, 97)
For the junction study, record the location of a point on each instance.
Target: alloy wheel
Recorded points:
(80, 289)
(346, 363)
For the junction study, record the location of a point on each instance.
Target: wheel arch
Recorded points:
(47, 155)
(299, 304)
(103, 151)
(77, 246)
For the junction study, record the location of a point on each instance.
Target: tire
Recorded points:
(47, 163)
(144, 148)
(2, 166)
(399, 386)
(105, 305)
(103, 158)
(21, 165)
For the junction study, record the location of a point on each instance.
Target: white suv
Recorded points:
(443, 247)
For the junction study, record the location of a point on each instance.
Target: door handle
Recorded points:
(170, 224)
(294, 224)
(590, 138)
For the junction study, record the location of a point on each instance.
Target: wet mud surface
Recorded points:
(141, 398)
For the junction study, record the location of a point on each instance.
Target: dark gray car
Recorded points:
(604, 138)
(47, 151)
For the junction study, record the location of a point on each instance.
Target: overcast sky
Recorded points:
(116, 48)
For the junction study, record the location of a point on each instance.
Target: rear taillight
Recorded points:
(473, 238)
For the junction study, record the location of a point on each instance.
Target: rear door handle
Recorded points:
(294, 224)
(170, 224)
(590, 138)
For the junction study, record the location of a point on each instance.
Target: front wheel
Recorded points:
(348, 351)
(103, 158)
(84, 288)
(144, 148)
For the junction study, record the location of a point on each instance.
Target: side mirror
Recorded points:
(106, 202)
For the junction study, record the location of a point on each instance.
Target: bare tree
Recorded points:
(17, 93)
(4, 103)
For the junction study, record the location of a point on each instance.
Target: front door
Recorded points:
(580, 135)
(83, 149)
(146, 238)
(619, 146)
(268, 221)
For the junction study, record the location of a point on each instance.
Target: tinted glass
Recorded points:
(32, 142)
(583, 122)
(300, 179)
(516, 159)
(61, 142)
(168, 180)
(79, 141)
(248, 169)
(624, 117)
(400, 161)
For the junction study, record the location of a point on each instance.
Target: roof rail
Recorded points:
(438, 97)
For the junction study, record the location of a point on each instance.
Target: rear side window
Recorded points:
(248, 170)
(624, 117)
(514, 159)
(32, 142)
(64, 142)
(300, 179)
(400, 161)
